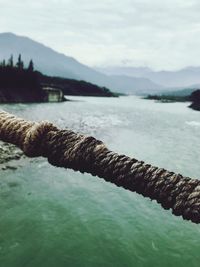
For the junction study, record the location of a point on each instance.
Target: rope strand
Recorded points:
(64, 148)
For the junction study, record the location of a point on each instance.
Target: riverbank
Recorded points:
(26, 85)
(194, 98)
(168, 98)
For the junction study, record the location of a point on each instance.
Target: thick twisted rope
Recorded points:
(64, 148)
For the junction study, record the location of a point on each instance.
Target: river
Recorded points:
(51, 217)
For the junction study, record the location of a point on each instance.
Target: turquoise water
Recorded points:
(55, 217)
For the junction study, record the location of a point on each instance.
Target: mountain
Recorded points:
(184, 77)
(132, 84)
(53, 63)
(181, 78)
(127, 71)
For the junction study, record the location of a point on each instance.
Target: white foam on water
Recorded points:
(193, 123)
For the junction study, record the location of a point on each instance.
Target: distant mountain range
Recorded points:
(53, 63)
(131, 80)
(187, 77)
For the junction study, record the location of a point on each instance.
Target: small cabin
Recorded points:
(53, 94)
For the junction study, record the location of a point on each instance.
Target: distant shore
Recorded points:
(193, 98)
(20, 84)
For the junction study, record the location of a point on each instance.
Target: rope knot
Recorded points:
(35, 138)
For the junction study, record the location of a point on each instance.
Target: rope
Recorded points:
(64, 148)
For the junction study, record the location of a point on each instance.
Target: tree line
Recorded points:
(14, 76)
(18, 65)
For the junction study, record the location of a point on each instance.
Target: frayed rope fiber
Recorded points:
(67, 149)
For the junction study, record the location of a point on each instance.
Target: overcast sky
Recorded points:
(155, 33)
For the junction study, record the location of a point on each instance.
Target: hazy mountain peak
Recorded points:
(177, 78)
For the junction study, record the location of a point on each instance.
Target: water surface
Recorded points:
(51, 217)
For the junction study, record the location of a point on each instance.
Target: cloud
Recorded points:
(160, 34)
